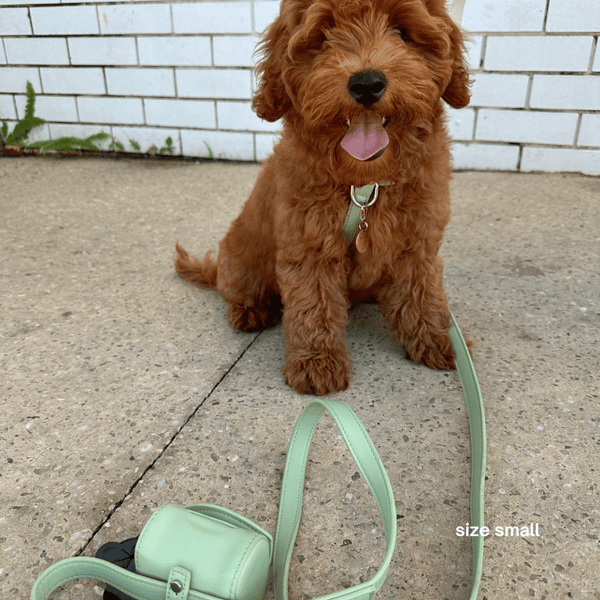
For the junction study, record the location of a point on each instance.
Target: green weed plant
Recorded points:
(19, 136)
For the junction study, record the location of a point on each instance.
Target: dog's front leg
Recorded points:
(416, 309)
(315, 312)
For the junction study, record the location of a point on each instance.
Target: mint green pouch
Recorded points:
(227, 555)
(198, 552)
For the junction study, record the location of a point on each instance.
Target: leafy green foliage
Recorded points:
(21, 131)
(168, 148)
(20, 135)
(70, 144)
(116, 146)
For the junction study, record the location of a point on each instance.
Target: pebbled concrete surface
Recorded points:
(123, 388)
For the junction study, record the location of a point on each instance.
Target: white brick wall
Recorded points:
(141, 70)
(536, 95)
(150, 69)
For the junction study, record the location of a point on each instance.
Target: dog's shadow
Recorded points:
(368, 338)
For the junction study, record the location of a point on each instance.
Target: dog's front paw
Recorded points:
(436, 352)
(321, 374)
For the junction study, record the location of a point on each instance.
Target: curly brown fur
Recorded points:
(285, 253)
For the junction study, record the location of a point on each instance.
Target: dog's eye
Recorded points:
(401, 32)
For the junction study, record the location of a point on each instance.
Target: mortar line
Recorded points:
(165, 448)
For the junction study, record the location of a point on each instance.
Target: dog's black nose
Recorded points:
(367, 87)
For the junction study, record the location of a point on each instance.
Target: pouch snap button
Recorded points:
(176, 586)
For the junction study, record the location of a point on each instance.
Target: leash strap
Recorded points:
(133, 584)
(475, 411)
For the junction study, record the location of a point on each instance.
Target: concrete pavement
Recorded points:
(123, 387)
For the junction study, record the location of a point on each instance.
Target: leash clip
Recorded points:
(369, 202)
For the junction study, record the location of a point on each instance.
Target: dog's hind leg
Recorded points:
(241, 278)
(246, 278)
(252, 305)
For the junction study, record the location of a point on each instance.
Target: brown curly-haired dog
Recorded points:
(359, 84)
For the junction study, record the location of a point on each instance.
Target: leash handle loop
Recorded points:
(290, 506)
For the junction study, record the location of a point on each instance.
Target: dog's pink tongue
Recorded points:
(365, 137)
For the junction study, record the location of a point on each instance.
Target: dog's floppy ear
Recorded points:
(271, 100)
(457, 93)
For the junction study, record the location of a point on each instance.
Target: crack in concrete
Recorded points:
(131, 489)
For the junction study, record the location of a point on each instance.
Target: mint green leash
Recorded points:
(475, 411)
(290, 507)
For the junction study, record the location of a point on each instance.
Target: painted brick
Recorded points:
(461, 123)
(240, 116)
(135, 18)
(526, 126)
(73, 80)
(538, 53)
(264, 14)
(492, 157)
(264, 145)
(596, 66)
(509, 15)
(36, 51)
(140, 82)
(51, 108)
(574, 15)
(569, 92)
(26, 2)
(149, 139)
(212, 17)
(14, 21)
(7, 107)
(181, 113)
(474, 55)
(39, 133)
(224, 144)
(58, 130)
(589, 131)
(234, 51)
(175, 51)
(64, 20)
(14, 79)
(561, 159)
(214, 83)
(126, 111)
(103, 51)
(2, 55)
(500, 90)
